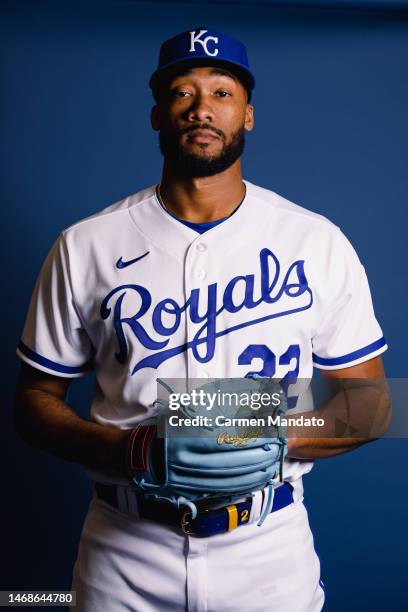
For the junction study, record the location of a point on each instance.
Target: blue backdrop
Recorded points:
(331, 134)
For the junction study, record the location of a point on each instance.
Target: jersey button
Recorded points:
(201, 274)
(201, 247)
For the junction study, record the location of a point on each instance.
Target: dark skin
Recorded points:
(204, 96)
(375, 403)
(201, 95)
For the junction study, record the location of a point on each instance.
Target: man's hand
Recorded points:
(369, 408)
(44, 420)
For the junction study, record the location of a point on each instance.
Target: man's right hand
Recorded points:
(45, 420)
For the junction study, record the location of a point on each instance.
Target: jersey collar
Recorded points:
(167, 233)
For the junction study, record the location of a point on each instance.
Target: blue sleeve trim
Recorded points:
(52, 365)
(374, 346)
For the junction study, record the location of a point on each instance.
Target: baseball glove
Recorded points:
(217, 463)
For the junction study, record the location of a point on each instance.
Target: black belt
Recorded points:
(208, 522)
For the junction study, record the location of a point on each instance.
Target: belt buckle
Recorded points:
(185, 522)
(203, 508)
(229, 507)
(187, 516)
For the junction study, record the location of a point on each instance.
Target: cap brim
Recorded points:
(170, 70)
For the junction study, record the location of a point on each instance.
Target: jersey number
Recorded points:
(260, 351)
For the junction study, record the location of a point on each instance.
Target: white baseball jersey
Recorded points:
(135, 294)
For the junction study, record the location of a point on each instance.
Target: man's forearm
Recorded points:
(319, 448)
(47, 422)
(358, 413)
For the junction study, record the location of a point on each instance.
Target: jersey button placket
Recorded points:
(195, 278)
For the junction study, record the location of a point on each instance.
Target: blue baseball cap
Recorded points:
(203, 47)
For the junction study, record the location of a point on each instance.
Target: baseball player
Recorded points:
(202, 276)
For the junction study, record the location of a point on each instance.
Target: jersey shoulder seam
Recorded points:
(310, 214)
(101, 214)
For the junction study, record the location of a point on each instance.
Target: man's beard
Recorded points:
(181, 163)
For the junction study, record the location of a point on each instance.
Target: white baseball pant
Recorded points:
(135, 565)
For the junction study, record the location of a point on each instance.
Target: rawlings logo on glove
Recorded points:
(242, 440)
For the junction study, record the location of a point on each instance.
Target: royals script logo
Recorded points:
(269, 285)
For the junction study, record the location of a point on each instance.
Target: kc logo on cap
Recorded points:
(197, 38)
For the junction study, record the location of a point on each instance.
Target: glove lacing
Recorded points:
(182, 501)
(271, 488)
(268, 505)
(179, 501)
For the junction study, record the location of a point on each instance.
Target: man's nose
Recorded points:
(201, 110)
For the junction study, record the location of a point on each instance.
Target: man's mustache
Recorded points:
(202, 126)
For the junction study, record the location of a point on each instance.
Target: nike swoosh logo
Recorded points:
(124, 264)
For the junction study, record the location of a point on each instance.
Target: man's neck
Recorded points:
(200, 200)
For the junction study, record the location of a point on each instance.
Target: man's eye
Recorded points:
(181, 94)
(221, 93)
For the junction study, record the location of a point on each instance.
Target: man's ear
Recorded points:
(155, 118)
(249, 117)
